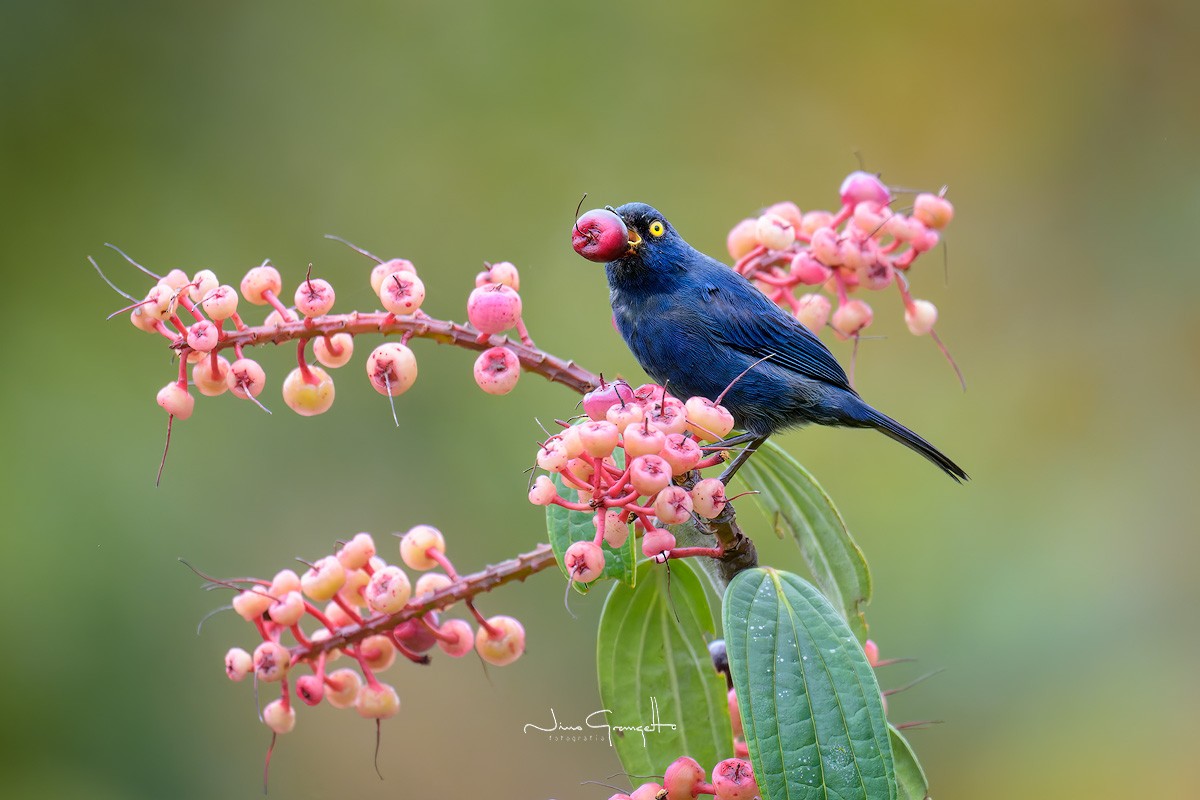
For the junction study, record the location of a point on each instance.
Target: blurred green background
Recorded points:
(1057, 589)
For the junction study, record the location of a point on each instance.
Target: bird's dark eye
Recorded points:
(657, 228)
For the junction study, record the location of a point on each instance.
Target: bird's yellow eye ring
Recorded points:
(657, 228)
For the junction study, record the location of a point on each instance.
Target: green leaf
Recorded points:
(653, 665)
(909, 775)
(566, 527)
(810, 706)
(795, 503)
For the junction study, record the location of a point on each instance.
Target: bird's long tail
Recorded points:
(869, 417)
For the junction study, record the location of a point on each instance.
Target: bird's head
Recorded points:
(634, 236)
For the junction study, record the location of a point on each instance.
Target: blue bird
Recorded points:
(697, 325)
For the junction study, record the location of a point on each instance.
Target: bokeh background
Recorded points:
(1057, 589)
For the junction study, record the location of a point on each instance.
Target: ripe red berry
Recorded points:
(600, 236)
(597, 402)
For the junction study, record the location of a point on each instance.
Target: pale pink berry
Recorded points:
(640, 439)
(288, 610)
(380, 271)
(789, 211)
(352, 591)
(246, 378)
(543, 491)
(570, 438)
(851, 317)
(258, 281)
(432, 582)
(742, 239)
(920, 317)
(279, 716)
(310, 689)
(599, 439)
(673, 505)
(464, 641)
(933, 210)
(357, 552)
(238, 664)
(870, 649)
(161, 302)
(615, 532)
(378, 652)
(176, 401)
(774, 232)
(868, 217)
(552, 456)
(851, 255)
(209, 382)
(649, 474)
(497, 370)
(923, 238)
(864, 187)
(378, 701)
(323, 579)
(682, 453)
(314, 297)
(647, 791)
(707, 420)
(504, 648)
(402, 292)
(597, 402)
(584, 561)
(220, 303)
(271, 662)
(733, 779)
(808, 270)
(176, 279)
(500, 272)
(708, 497)
(143, 320)
(814, 220)
(251, 604)
(812, 311)
(493, 308)
(203, 282)
(624, 415)
(285, 581)
(669, 417)
(334, 351)
(826, 247)
(392, 368)
(342, 686)
(656, 542)
(202, 336)
(388, 590)
(415, 544)
(337, 615)
(308, 398)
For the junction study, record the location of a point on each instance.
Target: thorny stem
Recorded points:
(467, 587)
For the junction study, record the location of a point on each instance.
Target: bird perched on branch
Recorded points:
(701, 328)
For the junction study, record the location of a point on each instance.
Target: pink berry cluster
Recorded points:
(660, 438)
(215, 327)
(492, 308)
(361, 593)
(866, 244)
(732, 779)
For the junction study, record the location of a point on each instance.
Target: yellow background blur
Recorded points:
(1057, 589)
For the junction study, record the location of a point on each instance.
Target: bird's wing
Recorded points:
(752, 324)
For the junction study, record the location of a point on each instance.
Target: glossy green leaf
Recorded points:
(795, 503)
(910, 778)
(810, 705)
(566, 527)
(655, 670)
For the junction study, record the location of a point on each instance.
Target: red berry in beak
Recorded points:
(600, 236)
